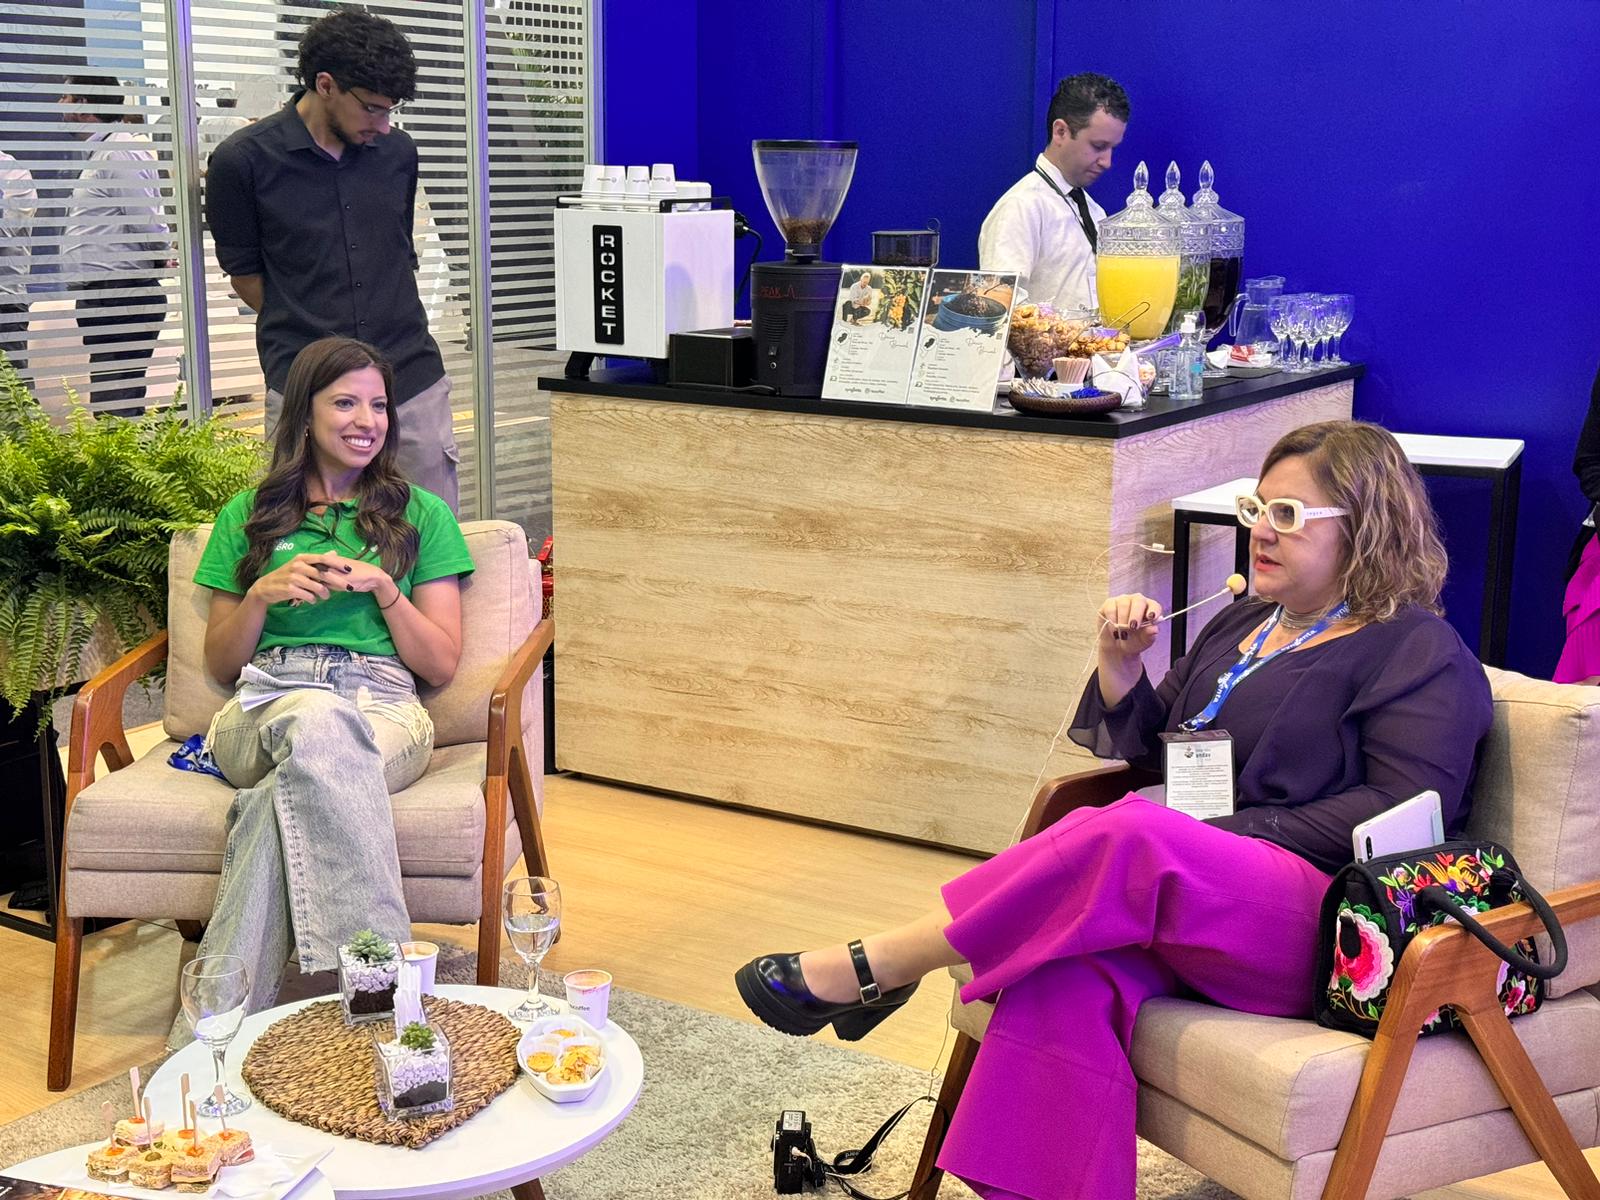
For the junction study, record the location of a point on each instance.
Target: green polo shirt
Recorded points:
(347, 619)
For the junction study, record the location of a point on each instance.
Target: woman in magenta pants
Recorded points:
(1344, 693)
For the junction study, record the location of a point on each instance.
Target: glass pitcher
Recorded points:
(1247, 320)
(1194, 250)
(1136, 266)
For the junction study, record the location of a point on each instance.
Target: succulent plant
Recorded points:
(371, 947)
(416, 1036)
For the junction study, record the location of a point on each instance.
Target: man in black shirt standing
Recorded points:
(312, 210)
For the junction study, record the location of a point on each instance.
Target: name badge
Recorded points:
(1199, 772)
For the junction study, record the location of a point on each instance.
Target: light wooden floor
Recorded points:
(669, 895)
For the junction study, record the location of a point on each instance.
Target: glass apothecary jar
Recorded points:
(1227, 248)
(1194, 249)
(1136, 265)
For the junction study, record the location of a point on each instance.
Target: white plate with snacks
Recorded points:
(563, 1057)
(271, 1175)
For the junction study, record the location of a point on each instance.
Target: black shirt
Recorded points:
(331, 240)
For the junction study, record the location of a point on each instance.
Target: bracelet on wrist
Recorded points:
(397, 594)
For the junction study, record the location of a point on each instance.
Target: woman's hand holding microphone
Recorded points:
(1127, 629)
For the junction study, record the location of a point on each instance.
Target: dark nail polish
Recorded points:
(349, 587)
(347, 570)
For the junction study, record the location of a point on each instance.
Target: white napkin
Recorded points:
(266, 1173)
(1121, 378)
(408, 998)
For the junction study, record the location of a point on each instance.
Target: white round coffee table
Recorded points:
(516, 1139)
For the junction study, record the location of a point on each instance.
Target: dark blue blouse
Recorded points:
(1323, 738)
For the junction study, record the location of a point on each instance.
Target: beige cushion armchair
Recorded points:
(146, 840)
(1279, 1109)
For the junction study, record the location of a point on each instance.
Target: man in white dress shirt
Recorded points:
(1044, 226)
(114, 245)
(18, 200)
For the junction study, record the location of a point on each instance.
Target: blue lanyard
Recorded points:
(1249, 664)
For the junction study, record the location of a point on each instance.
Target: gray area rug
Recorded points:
(714, 1088)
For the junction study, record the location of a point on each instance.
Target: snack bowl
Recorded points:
(567, 1040)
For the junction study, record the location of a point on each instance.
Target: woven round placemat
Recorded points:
(312, 1068)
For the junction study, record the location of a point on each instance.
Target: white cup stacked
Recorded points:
(593, 180)
(663, 181)
(638, 183)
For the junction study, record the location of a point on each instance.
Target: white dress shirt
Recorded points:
(18, 200)
(1035, 231)
(113, 219)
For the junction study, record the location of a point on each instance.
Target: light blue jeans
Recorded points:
(311, 852)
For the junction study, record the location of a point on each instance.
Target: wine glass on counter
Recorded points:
(214, 989)
(532, 911)
(1302, 330)
(1278, 321)
(1343, 306)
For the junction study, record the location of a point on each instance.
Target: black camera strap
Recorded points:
(853, 1162)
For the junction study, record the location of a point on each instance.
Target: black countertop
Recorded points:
(637, 383)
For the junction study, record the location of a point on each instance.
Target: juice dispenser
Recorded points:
(791, 302)
(1227, 249)
(1194, 249)
(1137, 264)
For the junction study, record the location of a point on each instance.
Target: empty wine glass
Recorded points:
(1324, 319)
(1302, 319)
(1343, 306)
(532, 909)
(1278, 321)
(213, 990)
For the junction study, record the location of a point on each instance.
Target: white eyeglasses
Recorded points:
(1285, 516)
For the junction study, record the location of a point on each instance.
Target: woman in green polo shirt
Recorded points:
(335, 587)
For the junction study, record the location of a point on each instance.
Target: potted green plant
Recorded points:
(88, 507)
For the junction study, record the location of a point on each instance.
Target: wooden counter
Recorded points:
(866, 615)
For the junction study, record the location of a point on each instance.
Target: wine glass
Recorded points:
(1302, 320)
(1325, 318)
(1278, 321)
(532, 908)
(1343, 305)
(213, 990)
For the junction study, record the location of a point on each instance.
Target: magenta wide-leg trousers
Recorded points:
(1076, 928)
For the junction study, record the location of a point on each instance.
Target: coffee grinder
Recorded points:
(791, 302)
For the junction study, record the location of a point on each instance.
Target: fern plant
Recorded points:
(87, 511)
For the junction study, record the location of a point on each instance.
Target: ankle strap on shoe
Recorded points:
(870, 991)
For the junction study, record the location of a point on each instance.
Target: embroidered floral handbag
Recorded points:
(1373, 909)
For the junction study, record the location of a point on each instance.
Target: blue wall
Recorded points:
(1434, 159)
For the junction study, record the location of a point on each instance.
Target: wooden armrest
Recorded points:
(505, 703)
(1445, 964)
(1094, 788)
(97, 714)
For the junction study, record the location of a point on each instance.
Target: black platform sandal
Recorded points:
(773, 988)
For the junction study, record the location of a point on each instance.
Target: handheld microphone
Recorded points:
(1235, 584)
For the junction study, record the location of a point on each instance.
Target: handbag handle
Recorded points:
(1445, 902)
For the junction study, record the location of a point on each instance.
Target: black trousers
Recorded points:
(116, 376)
(14, 334)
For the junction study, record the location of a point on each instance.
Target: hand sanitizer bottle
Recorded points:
(1188, 362)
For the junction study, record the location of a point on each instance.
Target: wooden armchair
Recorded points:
(146, 840)
(1278, 1109)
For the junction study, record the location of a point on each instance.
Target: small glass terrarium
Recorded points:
(413, 1071)
(368, 967)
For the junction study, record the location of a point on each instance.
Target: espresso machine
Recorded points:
(791, 302)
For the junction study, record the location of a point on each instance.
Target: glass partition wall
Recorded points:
(124, 312)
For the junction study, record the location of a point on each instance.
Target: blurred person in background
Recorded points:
(18, 201)
(1580, 657)
(114, 243)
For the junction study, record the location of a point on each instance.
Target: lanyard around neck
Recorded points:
(1249, 663)
(1079, 210)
